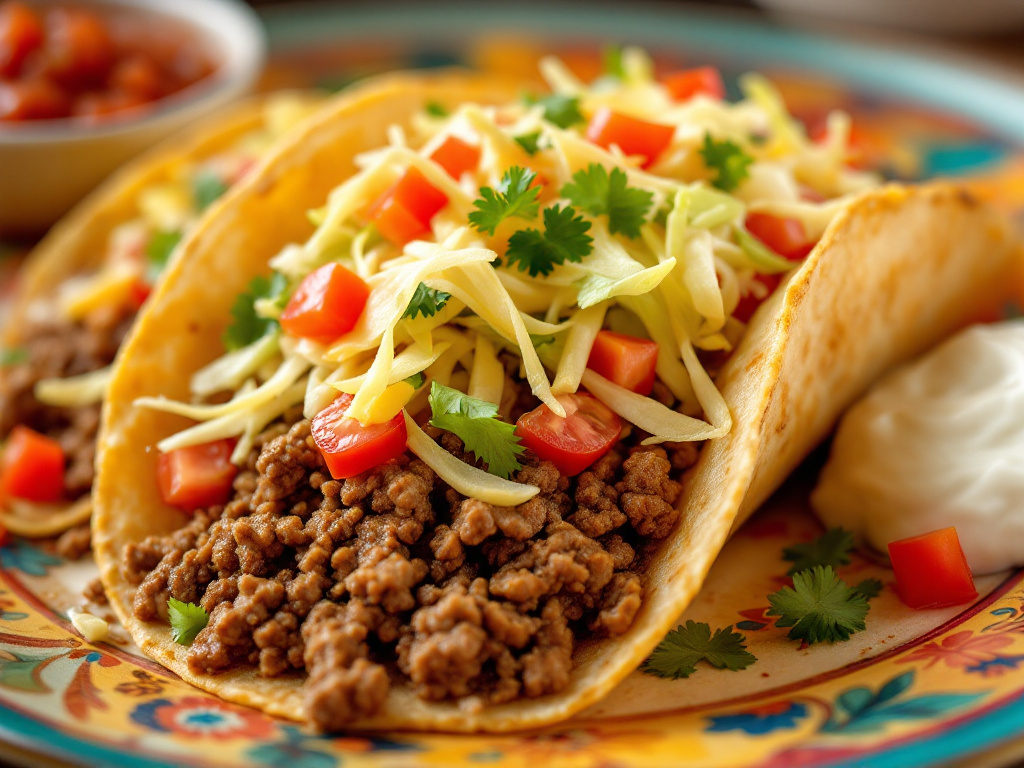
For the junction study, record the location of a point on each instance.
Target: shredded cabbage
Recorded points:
(74, 391)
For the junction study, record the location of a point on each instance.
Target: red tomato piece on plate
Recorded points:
(198, 476)
(457, 156)
(633, 136)
(327, 303)
(21, 32)
(588, 431)
(351, 448)
(403, 212)
(786, 237)
(32, 467)
(688, 83)
(625, 360)
(931, 570)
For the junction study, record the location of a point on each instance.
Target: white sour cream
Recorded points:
(938, 443)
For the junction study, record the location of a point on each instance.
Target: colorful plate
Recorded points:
(916, 688)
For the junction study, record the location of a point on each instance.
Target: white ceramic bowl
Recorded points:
(47, 166)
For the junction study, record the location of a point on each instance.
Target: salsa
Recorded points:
(60, 61)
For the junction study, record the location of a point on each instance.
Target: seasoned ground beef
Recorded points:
(393, 575)
(57, 348)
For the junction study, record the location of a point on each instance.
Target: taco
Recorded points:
(80, 290)
(311, 495)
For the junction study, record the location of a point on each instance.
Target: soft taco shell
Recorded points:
(79, 242)
(894, 273)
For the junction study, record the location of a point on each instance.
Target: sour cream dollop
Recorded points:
(937, 443)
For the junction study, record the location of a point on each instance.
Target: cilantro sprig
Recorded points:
(529, 142)
(831, 548)
(476, 423)
(207, 188)
(564, 239)
(436, 109)
(563, 111)
(247, 326)
(187, 620)
(158, 252)
(728, 160)
(819, 607)
(678, 654)
(427, 301)
(601, 194)
(13, 356)
(514, 197)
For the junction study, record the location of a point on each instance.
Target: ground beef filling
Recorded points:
(58, 348)
(394, 575)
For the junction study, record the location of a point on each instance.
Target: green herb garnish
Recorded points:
(158, 252)
(563, 111)
(677, 655)
(426, 300)
(436, 109)
(598, 193)
(529, 141)
(831, 548)
(728, 160)
(476, 423)
(513, 197)
(206, 189)
(820, 607)
(564, 239)
(247, 326)
(13, 356)
(187, 620)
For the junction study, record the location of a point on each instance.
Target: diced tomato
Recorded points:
(931, 570)
(625, 360)
(751, 301)
(404, 211)
(138, 294)
(634, 137)
(33, 467)
(456, 156)
(21, 32)
(351, 448)
(688, 83)
(588, 431)
(138, 75)
(32, 100)
(327, 303)
(198, 476)
(786, 237)
(79, 49)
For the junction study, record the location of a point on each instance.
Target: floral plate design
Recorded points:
(915, 688)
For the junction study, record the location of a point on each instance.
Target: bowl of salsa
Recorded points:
(87, 84)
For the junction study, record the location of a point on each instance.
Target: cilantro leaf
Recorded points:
(529, 141)
(206, 188)
(677, 655)
(831, 548)
(612, 56)
(476, 423)
(426, 300)
(158, 252)
(436, 109)
(187, 620)
(563, 111)
(415, 381)
(514, 197)
(564, 239)
(820, 607)
(248, 326)
(728, 160)
(870, 588)
(13, 356)
(598, 193)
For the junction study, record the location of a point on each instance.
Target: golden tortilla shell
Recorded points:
(898, 270)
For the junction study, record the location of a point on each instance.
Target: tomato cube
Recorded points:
(198, 476)
(33, 467)
(403, 212)
(688, 83)
(456, 156)
(625, 360)
(931, 570)
(351, 448)
(633, 136)
(327, 303)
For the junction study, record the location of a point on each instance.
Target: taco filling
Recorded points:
(57, 360)
(450, 427)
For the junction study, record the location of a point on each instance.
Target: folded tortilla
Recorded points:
(895, 272)
(79, 243)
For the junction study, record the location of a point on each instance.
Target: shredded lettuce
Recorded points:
(74, 391)
(228, 372)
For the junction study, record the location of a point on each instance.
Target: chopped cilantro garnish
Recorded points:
(529, 141)
(514, 197)
(476, 423)
(612, 56)
(598, 193)
(206, 188)
(158, 251)
(728, 160)
(426, 300)
(563, 111)
(436, 109)
(540, 339)
(416, 380)
(248, 326)
(564, 239)
(831, 548)
(13, 356)
(870, 588)
(677, 655)
(820, 607)
(187, 620)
